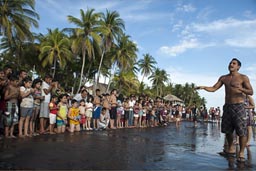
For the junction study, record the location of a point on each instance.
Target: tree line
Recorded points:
(97, 45)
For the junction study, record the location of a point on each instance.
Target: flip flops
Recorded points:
(226, 154)
(240, 160)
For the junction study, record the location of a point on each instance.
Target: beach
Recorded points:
(159, 148)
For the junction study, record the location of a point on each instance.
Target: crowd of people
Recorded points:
(39, 107)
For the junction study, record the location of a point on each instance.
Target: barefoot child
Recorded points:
(73, 115)
(26, 106)
(62, 114)
(88, 112)
(82, 114)
(11, 115)
(53, 113)
(37, 102)
(103, 122)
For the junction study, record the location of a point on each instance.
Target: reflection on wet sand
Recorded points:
(164, 148)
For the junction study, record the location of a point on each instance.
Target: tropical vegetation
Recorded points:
(96, 46)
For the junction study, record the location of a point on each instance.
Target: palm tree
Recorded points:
(16, 19)
(146, 65)
(87, 38)
(55, 48)
(123, 55)
(159, 77)
(127, 82)
(113, 28)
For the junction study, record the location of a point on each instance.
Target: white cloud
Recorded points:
(186, 8)
(242, 42)
(225, 25)
(233, 32)
(183, 46)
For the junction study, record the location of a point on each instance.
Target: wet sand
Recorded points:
(161, 148)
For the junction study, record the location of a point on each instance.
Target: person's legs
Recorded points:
(231, 148)
(21, 122)
(72, 127)
(242, 144)
(249, 129)
(77, 127)
(26, 126)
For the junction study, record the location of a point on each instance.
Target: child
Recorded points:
(126, 112)
(136, 110)
(88, 112)
(144, 115)
(103, 122)
(11, 114)
(178, 118)
(120, 110)
(53, 112)
(62, 114)
(26, 106)
(82, 114)
(73, 115)
(37, 102)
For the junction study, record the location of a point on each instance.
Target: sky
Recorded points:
(193, 40)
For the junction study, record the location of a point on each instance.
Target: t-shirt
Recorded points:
(27, 102)
(47, 97)
(53, 108)
(89, 105)
(74, 113)
(63, 110)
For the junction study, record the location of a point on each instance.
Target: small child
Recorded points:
(26, 106)
(120, 110)
(103, 122)
(88, 112)
(178, 118)
(37, 103)
(53, 112)
(62, 114)
(73, 115)
(82, 114)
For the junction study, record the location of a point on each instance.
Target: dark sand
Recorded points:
(162, 148)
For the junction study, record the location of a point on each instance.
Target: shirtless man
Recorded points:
(97, 109)
(234, 116)
(113, 111)
(11, 97)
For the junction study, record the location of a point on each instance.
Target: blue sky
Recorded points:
(193, 40)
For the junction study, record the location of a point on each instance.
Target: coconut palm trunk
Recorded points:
(82, 72)
(110, 79)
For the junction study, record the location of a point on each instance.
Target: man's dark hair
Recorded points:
(13, 77)
(239, 62)
(47, 76)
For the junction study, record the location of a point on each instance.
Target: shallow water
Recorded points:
(162, 148)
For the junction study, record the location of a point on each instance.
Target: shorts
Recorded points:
(136, 115)
(52, 118)
(113, 112)
(44, 110)
(60, 122)
(96, 112)
(11, 115)
(88, 113)
(194, 117)
(24, 112)
(234, 118)
(82, 119)
(126, 114)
